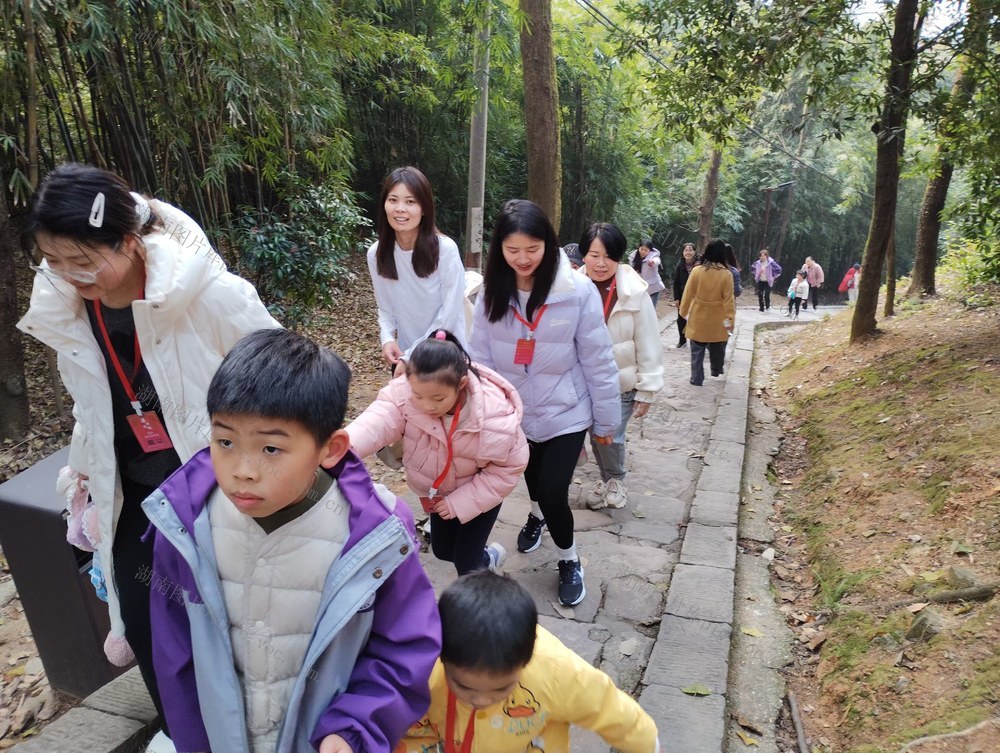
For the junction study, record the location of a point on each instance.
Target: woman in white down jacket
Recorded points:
(635, 336)
(140, 310)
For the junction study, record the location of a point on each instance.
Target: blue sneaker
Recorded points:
(495, 555)
(571, 588)
(530, 536)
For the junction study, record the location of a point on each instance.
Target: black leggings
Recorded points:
(133, 564)
(797, 301)
(763, 294)
(549, 473)
(462, 544)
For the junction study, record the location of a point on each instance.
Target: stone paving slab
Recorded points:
(633, 598)
(719, 479)
(125, 696)
(716, 508)
(712, 546)
(689, 652)
(702, 593)
(686, 724)
(84, 730)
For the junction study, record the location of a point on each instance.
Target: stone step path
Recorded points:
(660, 573)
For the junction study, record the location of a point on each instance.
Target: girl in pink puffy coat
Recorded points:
(463, 448)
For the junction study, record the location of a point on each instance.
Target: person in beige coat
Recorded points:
(710, 309)
(635, 342)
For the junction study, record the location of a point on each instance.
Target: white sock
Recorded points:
(536, 510)
(568, 554)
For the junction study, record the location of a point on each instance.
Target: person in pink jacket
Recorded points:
(463, 447)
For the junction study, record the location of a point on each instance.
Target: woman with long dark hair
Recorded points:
(417, 273)
(682, 272)
(646, 261)
(541, 326)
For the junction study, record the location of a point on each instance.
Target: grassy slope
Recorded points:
(901, 479)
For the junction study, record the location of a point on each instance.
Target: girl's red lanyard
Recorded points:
(470, 729)
(611, 294)
(126, 383)
(428, 502)
(524, 353)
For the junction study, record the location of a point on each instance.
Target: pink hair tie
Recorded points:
(440, 335)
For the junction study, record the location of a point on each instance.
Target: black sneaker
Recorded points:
(531, 534)
(571, 588)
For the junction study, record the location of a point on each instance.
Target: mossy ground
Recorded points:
(890, 469)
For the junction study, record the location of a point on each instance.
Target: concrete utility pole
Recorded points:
(477, 145)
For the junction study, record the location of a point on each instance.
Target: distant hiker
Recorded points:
(646, 261)
(734, 266)
(814, 275)
(765, 271)
(710, 310)
(417, 273)
(798, 291)
(849, 284)
(681, 274)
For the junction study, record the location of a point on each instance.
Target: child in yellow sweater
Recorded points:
(504, 684)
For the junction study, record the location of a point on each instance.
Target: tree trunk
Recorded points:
(707, 208)
(890, 132)
(32, 99)
(541, 109)
(14, 417)
(929, 225)
(477, 145)
(890, 277)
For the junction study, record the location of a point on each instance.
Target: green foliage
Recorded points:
(970, 271)
(294, 255)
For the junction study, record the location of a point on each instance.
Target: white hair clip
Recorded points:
(142, 210)
(96, 218)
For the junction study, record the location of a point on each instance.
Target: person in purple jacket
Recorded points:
(541, 327)
(289, 609)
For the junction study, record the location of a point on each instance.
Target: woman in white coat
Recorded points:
(646, 261)
(635, 337)
(417, 273)
(140, 310)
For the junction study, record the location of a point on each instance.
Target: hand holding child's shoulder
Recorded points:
(334, 744)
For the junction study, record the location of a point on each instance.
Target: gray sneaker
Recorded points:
(595, 497)
(617, 494)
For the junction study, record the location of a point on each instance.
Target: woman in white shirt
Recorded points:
(417, 272)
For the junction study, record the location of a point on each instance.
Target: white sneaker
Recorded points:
(617, 494)
(161, 744)
(496, 554)
(595, 499)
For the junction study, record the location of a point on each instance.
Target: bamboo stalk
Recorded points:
(800, 732)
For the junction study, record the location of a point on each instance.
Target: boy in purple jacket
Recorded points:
(289, 610)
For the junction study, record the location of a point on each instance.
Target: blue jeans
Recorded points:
(654, 297)
(611, 457)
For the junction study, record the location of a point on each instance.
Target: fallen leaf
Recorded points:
(751, 631)
(741, 720)
(959, 548)
(696, 689)
(883, 420)
(786, 529)
(638, 511)
(747, 740)
(914, 608)
(869, 534)
(932, 577)
(904, 661)
(787, 595)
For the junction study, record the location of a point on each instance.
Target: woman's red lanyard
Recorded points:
(470, 729)
(428, 501)
(607, 300)
(524, 353)
(146, 426)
